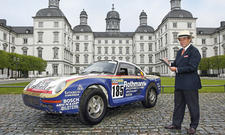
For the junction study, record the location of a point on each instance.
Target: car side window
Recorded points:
(126, 69)
(122, 70)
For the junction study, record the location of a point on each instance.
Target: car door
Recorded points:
(126, 86)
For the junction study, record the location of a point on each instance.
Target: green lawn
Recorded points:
(166, 81)
(170, 81)
(12, 90)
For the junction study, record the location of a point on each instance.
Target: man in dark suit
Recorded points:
(187, 83)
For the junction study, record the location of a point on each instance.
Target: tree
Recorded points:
(3, 60)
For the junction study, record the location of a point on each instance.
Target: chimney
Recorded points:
(222, 24)
(3, 22)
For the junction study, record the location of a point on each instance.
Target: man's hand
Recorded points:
(166, 60)
(173, 69)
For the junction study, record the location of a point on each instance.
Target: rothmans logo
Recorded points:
(134, 84)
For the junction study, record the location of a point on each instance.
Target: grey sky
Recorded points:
(20, 12)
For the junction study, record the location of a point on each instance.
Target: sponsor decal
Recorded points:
(134, 84)
(42, 84)
(80, 87)
(117, 88)
(72, 93)
(131, 88)
(69, 104)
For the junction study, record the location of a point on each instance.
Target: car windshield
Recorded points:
(103, 67)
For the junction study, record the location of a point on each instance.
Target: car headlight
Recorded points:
(56, 88)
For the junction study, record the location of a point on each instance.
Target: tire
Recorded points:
(150, 96)
(92, 107)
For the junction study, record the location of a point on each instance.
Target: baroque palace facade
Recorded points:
(68, 50)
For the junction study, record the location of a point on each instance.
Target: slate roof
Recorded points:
(113, 15)
(82, 28)
(205, 31)
(54, 12)
(178, 13)
(113, 34)
(144, 29)
(23, 30)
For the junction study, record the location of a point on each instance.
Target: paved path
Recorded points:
(15, 118)
(9, 81)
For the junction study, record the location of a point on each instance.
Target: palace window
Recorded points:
(4, 36)
(56, 37)
(99, 50)
(127, 50)
(142, 56)
(113, 50)
(106, 50)
(175, 37)
(203, 41)
(24, 50)
(86, 58)
(56, 24)
(141, 47)
(150, 58)
(85, 46)
(189, 25)
(149, 46)
(24, 40)
(40, 24)
(40, 37)
(77, 46)
(55, 53)
(175, 25)
(120, 50)
(77, 58)
(13, 48)
(55, 69)
(40, 49)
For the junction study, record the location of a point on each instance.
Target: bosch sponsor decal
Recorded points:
(69, 104)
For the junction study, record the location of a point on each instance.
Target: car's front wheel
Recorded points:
(150, 97)
(93, 106)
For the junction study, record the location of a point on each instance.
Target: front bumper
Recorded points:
(51, 105)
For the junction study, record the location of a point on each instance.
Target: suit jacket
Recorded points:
(187, 77)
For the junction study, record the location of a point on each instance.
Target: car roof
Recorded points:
(120, 61)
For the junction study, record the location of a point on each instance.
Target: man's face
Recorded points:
(184, 41)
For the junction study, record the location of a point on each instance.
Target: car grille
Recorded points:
(31, 100)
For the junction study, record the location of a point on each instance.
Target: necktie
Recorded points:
(182, 51)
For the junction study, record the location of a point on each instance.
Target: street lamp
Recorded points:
(16, 60)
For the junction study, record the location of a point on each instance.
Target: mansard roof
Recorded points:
(23, 30)
(113, 34)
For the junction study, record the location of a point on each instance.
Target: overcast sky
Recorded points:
(20, 12)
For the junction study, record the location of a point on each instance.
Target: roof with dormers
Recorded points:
(23, 30)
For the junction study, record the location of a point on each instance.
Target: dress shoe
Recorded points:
(191, 130)
(172, 127)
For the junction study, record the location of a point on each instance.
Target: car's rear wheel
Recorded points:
(93, 106)
(150, 97)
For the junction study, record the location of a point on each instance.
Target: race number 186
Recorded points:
(117, 91)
